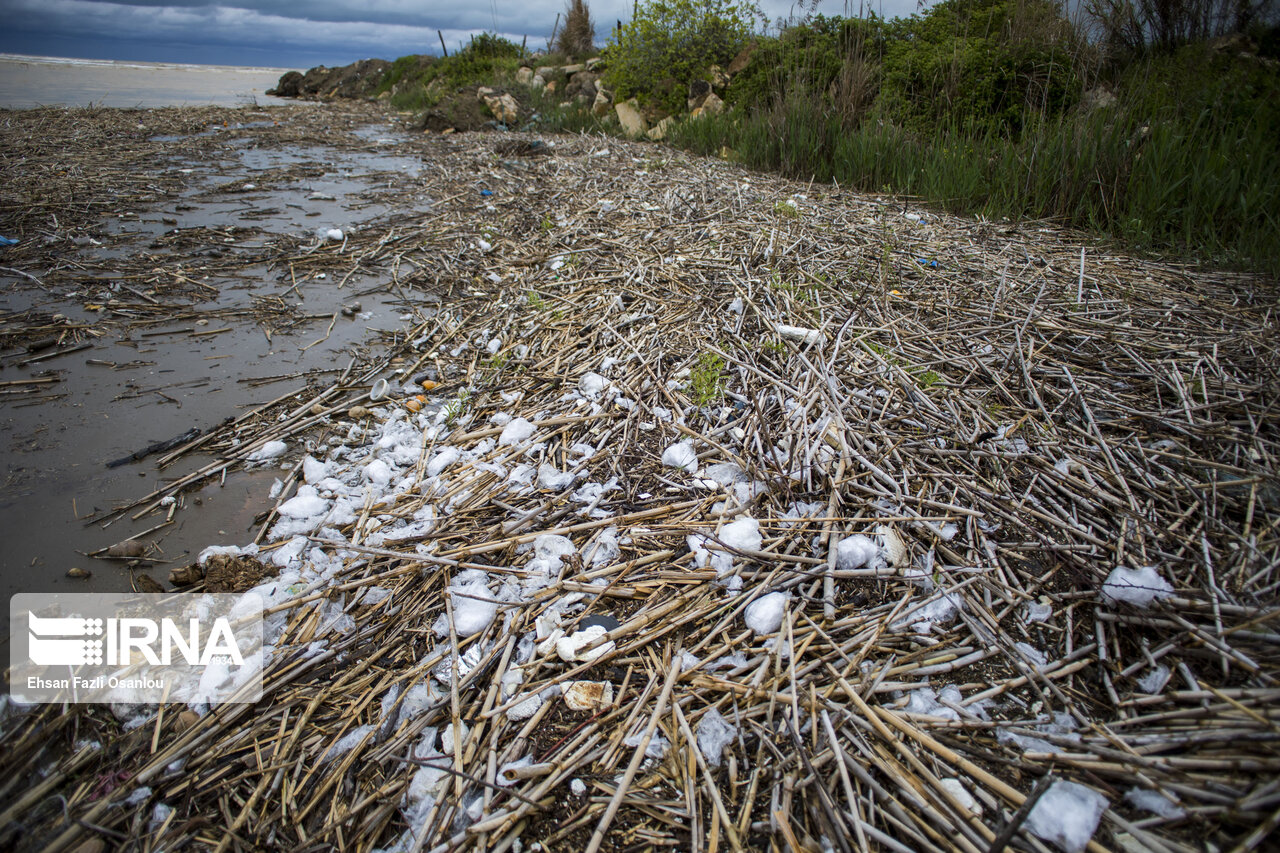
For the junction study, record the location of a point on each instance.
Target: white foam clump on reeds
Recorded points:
(1138, 587)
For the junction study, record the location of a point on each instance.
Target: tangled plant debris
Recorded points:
(831, 608)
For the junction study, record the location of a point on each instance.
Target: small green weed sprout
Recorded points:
(787, 209)
(707, 379)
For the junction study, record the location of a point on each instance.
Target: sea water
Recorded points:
(32, 81)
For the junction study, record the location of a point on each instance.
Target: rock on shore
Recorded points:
(357, 80)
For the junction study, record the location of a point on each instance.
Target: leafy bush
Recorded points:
(998, 61)
(578, 36)
(422, 81)
(669, 43)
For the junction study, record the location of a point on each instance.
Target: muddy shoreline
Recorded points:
(164, 282)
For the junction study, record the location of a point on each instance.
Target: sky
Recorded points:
(300, 34)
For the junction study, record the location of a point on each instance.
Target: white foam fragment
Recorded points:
(270, 450)
(516, 431)
(553, 479)
(378, 472)
(578, 787)
(525, 708)
(347, 742)
(957, 790)
(681, 455)
(1155, 680)
(443, 458)
(592, 385)
(854, 552)
(1155, 802)
(333, 235)
(471, 615)
(572, 649)
(313, 470)
(307, 503)
(656, 748)
(764, 615)
(1136, 586)
(507, 773)
(1067, 815)
(742, 534)
(714, 734)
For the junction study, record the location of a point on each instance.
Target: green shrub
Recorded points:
(992, 60)
(486, 59)
(669, 43)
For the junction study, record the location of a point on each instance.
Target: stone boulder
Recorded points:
(501, 105)
(711, 105)
(524, 75)
(659, 131)
(742, 60)
(629, 116)
(357, 80)
(582, 83)
(603, 102)
(290, 85)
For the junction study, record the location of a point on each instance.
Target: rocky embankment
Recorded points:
(357, 80)
(508, 103)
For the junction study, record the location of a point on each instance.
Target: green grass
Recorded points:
(1196, 184)
(707, 379)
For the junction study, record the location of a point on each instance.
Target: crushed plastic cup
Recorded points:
(379, 390)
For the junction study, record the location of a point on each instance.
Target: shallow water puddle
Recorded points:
(231, 338)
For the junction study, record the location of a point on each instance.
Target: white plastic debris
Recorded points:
(270, 450)
(1136, 586)
(736, 305)
(552, 479)
(681, 455)
(764, 615)
(1067, 815)
(796, 333)
(856, 551)
(444, 457)
(334, 234)
(578, 787)
(714, 734)
(1035, 611)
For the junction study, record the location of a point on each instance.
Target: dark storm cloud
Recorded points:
(338, 30)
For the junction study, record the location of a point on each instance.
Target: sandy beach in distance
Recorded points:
(31, 81)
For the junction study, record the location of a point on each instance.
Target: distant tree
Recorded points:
(579, 33)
